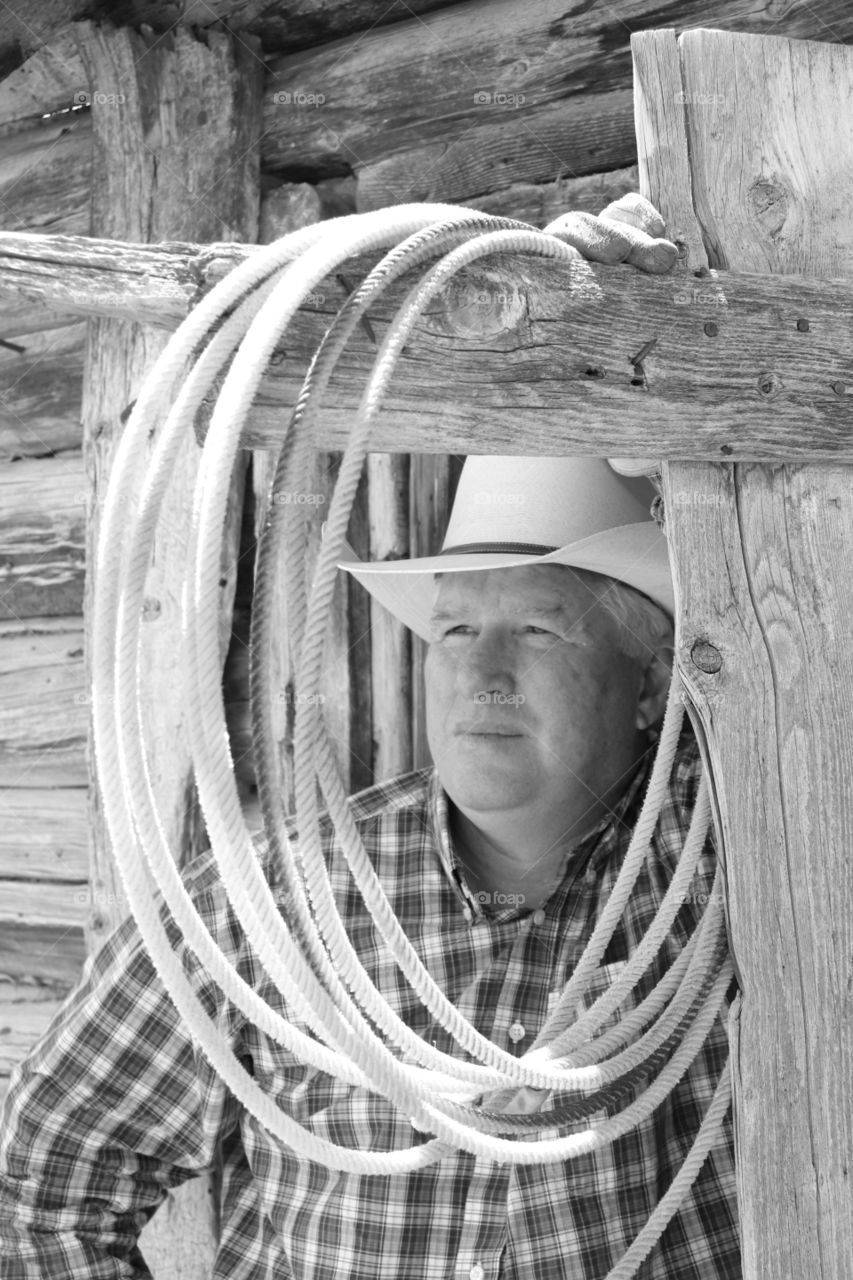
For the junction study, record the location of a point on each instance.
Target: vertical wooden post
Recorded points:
(391, 672)
(432, 485)
(176, 129)
(746, 149)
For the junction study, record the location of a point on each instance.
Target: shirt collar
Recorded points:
(594, 847)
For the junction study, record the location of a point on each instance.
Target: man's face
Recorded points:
(529, 701)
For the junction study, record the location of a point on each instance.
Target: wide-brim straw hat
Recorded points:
(512, 511)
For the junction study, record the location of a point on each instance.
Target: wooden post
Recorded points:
(743, 149)
(390, 649)
(176, 126)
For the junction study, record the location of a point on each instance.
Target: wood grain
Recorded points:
(43, 833)
(178, 160)
(45, 176)
(390, 664)
(415, 109)
(42, 534)
(511, 356)
(25, 1011)
(756, 181)
(52, 953)
(43, 703)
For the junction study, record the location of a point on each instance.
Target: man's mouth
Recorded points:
(479, 729)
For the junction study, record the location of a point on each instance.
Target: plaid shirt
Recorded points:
(115, 1105)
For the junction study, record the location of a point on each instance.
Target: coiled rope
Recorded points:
(299, 936)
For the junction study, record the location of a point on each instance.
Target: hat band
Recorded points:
(504, 548)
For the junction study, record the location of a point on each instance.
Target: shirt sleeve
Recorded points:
(112, 1108)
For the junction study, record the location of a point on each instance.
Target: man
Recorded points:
(545, 681)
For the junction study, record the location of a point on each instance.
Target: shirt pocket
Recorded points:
(349, 1115)
(599, 984)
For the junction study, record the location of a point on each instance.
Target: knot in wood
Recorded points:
(768, 205)
(706, 657)
(483, 303)
(769, 383)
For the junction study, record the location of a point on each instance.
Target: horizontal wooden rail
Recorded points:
(520, 355)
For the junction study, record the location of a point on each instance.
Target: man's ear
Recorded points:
(654, 687)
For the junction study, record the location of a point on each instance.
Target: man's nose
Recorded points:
(488, 665)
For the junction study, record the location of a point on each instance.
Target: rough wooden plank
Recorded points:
(415, 109)
(43, 833)
(307, 23)
(27, 29)
(42, 533)
(153, 284)
(390, 653)
(35, 902)
(730, 374)
(540, 203)
(432, 484)
(41, 930)
(45, 176)
(43, 703)
(536, 357)
(47, 952)
(51, 79)
(179, 159)
(761, 559)
(573, 137)
(40, 389)
(26, 1008)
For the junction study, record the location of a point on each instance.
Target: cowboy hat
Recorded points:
(522, 511)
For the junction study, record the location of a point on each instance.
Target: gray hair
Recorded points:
(643, 625)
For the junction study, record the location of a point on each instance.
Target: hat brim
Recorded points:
(636, 554)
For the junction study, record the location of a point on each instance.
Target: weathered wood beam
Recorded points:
(48, 950)
(81, 275)
(177, 158)
(541, 202)
(754, 176)
(37, 32)
(415, 109)
(42, 536)
(45, 176)
(43, 833)
(41, 380)
(48, 80)
(25, 1010)
(43, 703)
(525, 355)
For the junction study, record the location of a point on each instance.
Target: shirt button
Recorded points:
(539, 917)
(517, 1032)
(468, 915)
(477, 1272)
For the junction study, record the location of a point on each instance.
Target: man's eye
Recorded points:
(538, 631)
(445, 631)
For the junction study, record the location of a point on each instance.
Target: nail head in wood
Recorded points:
(711, 328)
(803, 325)
(839, 388)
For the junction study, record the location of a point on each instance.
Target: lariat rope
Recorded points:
(352, 1032)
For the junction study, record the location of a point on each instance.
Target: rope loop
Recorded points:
(455, 1101)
